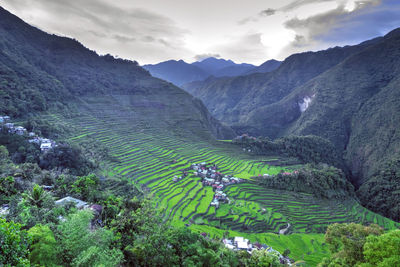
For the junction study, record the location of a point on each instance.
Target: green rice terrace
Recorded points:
(150, 158)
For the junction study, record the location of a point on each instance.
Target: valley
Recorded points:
(150, 160)
(320, 180)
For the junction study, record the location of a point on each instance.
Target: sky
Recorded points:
(251, 31)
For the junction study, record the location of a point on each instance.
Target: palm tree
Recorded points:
(37, 196)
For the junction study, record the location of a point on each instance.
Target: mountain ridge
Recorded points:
(181, 73)
(39, 72)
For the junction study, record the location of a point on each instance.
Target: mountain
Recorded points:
(180, 72)
(212, 64)
(348, 95)
(233, 98)
(177, 72)
(267, 66)
(47, 73)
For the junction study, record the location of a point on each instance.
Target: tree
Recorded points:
(384, 250)
(86, 187)
(37, 196)
(7, 188)
(14, 244)
(264, 258)
(84, 246)
(346, 242)
(33, 208)
(43, 248)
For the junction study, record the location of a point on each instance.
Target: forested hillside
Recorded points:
(39, 72)
(233, 99)
(349, 95)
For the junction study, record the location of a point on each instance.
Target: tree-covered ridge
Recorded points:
(347, 95)
(39, 72)
(324, 175)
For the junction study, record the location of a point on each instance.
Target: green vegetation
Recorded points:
(353, 101)
(14, 249)
(381, 193)
(364, 246)
(320, 180)
(308, 149)
(128, 135)
(151, 160)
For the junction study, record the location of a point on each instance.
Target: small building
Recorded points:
(79, 204)
(242, 245)
(44, 147)
(4, 210)
(20, 130)
(31, 134)
(238, 239)
(35, 140)
(215, 203)
(4, 119)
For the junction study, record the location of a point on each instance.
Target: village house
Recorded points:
(4, 119)
(215, 203)
(79, 204)
(4, 210)
(35, 140)
(44, 147)
(20, 130)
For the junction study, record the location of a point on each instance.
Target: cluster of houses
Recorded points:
(44, 143)
(212, 177)
(241, 243)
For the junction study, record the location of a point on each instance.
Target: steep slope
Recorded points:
(39, 72)
(356, 105)
(177, 72)
(267, 66)
(232, 99)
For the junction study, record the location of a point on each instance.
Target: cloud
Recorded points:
(351, 22)
(268, 12)
(299, 3)
(244, 48)
(320, 24)
(204, 56)
(133, 33)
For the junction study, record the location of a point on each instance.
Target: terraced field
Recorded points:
(150, 157)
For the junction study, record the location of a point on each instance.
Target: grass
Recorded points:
(151, 158)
